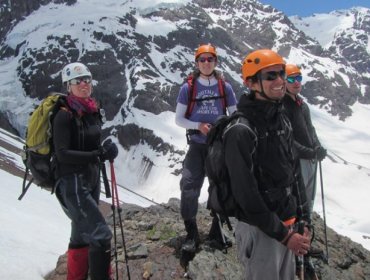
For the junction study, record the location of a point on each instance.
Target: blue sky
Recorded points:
(308, 7)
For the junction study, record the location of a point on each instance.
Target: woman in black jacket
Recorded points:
(78, 150)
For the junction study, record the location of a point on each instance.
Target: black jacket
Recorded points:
(76, 144)
(305, 138)
(263, 178)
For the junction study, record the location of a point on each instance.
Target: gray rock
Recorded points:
(347, 259)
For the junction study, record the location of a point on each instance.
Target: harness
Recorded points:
(192, 99)
(192, 95)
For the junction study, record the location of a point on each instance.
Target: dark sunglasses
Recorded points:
(292, 80)
(204, 59)
(273, 75)
(77, 81)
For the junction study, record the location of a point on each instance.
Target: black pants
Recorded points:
(79, 200)
(193, 174)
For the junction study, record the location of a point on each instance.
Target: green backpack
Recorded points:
(37, 153)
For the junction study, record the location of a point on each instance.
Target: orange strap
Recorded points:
(289, 222)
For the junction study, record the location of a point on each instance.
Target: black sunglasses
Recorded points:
(77, 81)
(273, 75)
(292, 80)
(204, 59)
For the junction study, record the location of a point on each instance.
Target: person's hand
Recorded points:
(109, 151)
(204, 128)
(299, 244)
(320, 153)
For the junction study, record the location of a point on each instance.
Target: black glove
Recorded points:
(320, 153)
(309, 153)
(109, 151)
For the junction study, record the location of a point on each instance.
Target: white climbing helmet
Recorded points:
(75, 70)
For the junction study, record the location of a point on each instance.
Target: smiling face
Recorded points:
(206, 63)
(296, 86)
(273, 83)
(80, 87)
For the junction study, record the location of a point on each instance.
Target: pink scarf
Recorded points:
(82, 105)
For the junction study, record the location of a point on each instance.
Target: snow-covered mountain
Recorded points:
(140, 52)
(344, 34)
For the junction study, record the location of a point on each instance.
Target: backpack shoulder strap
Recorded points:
(192, 93)
(221, 88)
(239, 119)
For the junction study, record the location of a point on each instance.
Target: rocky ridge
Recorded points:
(153, 238)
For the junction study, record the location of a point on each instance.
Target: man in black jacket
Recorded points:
(306, 142)
(263, 174)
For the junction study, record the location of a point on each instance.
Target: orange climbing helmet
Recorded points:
(259, 60)
(205, 49)
(292, 69)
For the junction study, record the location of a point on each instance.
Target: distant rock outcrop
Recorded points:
(154, 236)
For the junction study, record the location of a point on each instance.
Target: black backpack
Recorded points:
(220, 198)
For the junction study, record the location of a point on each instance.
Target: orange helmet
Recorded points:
(292, 69)
(205, 49)
(258, 60)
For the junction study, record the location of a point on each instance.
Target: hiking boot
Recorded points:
(190, 245)
(99, 264)
(192, 239)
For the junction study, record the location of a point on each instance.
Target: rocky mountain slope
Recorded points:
(153, 238)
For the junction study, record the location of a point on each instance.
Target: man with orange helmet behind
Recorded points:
(306, 142)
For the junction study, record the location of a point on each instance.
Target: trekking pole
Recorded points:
(114, 228)
(115, 203)
(326, 259)
(301, 258)
(108, 193)
(24, 186)
(224, 250)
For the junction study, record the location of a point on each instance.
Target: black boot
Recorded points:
(216, 238)
(99, 262)
(192, 238)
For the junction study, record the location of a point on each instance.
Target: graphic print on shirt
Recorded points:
(207, 107)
